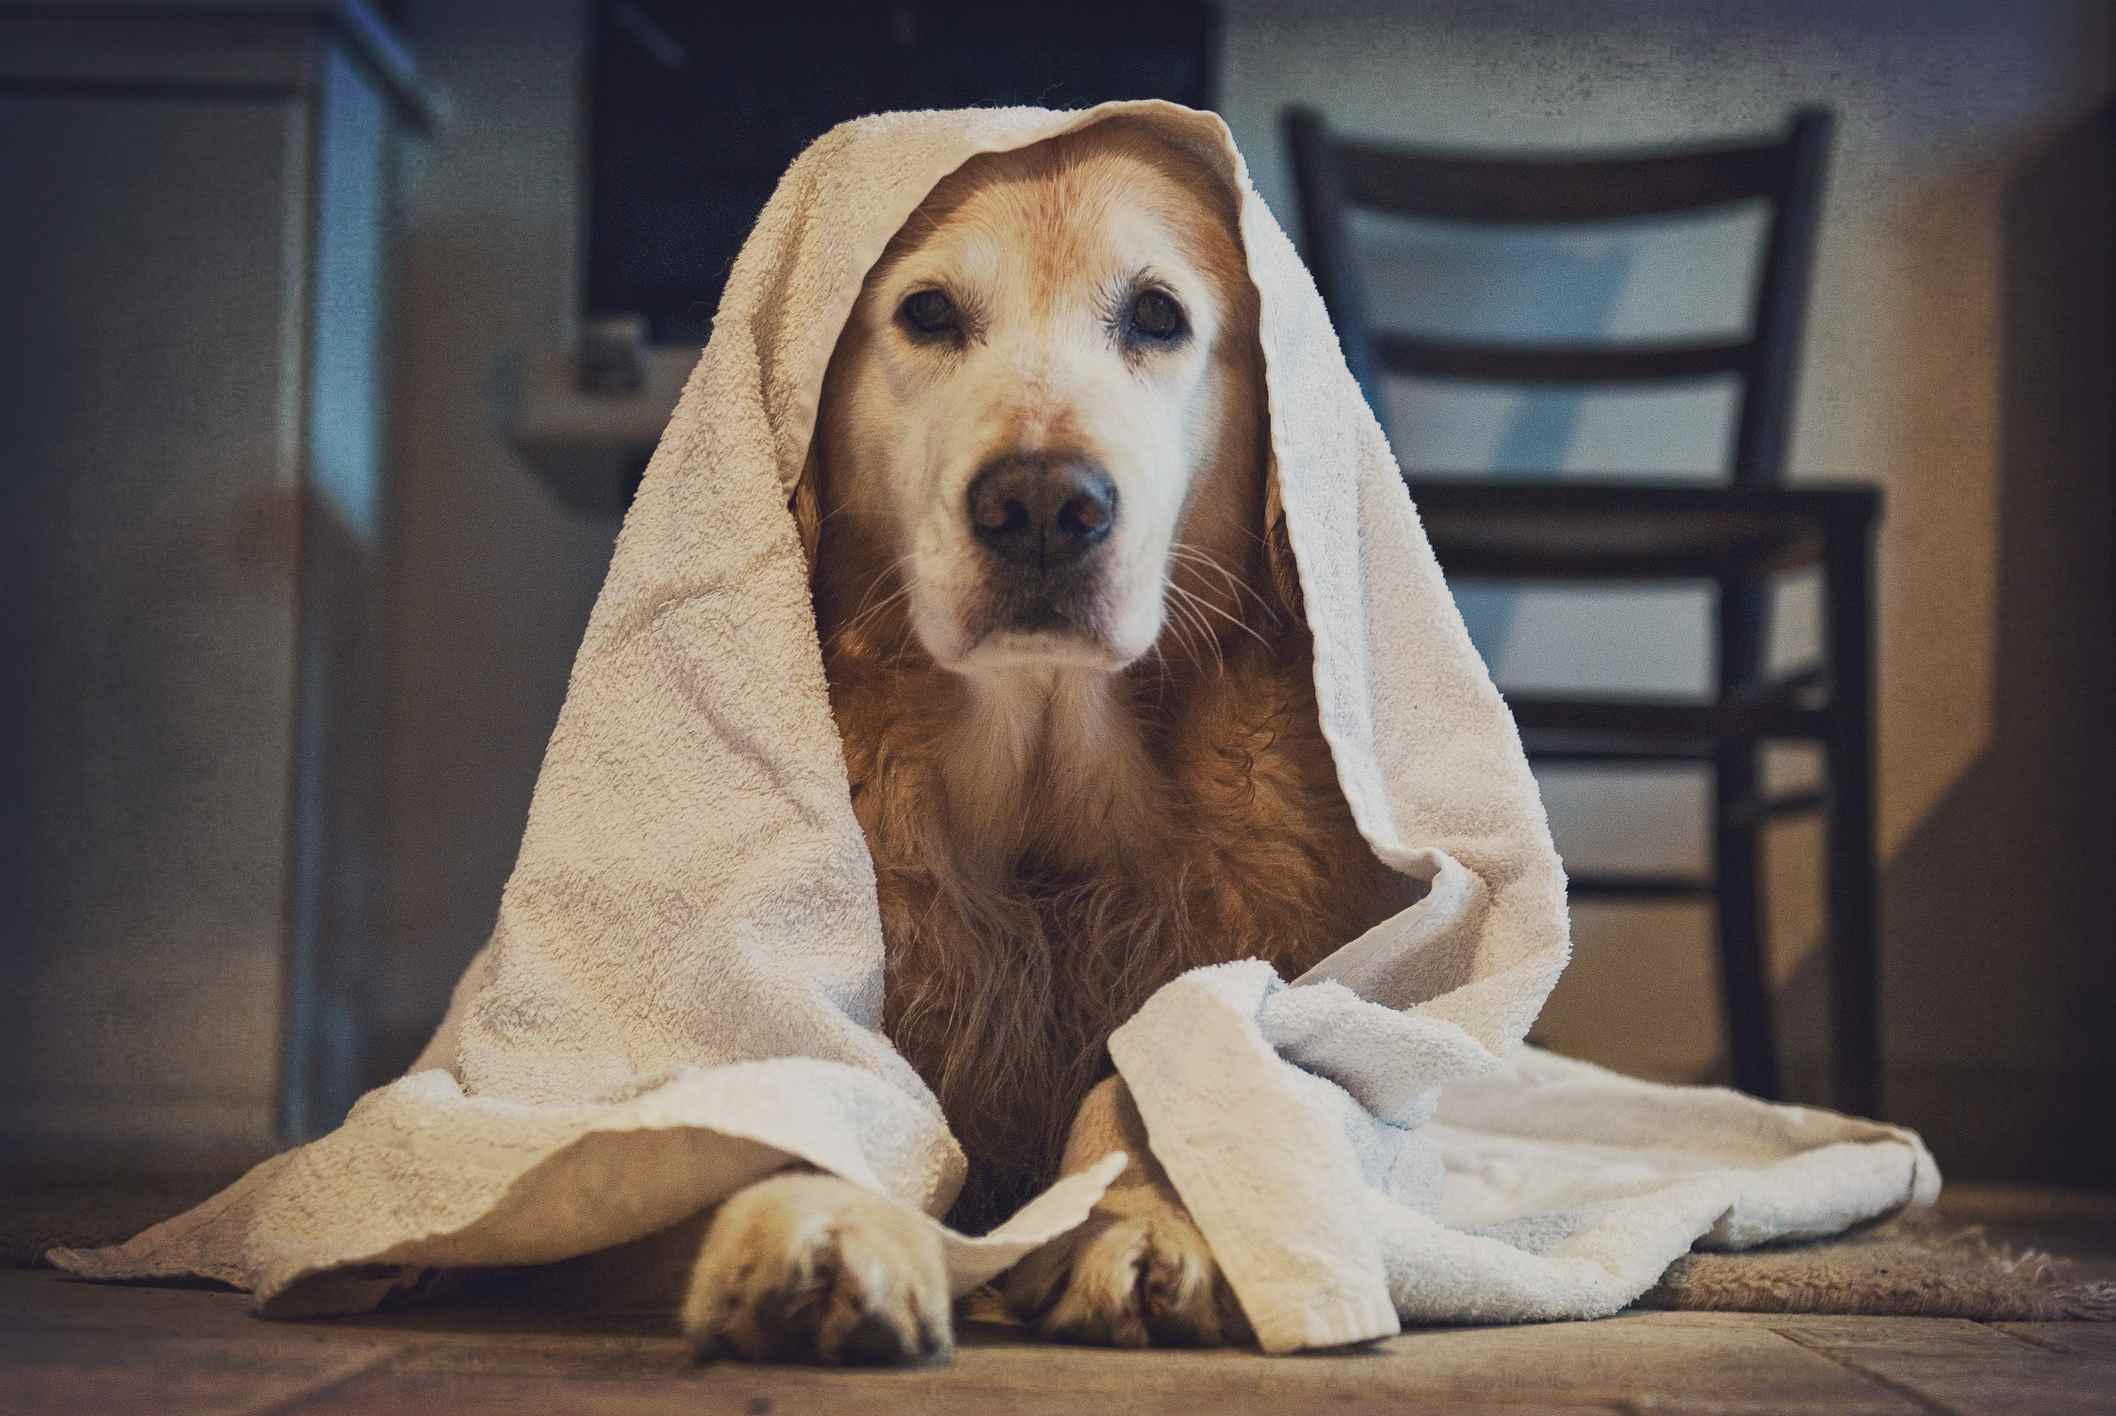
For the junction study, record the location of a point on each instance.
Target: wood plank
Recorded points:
(783, 1391)
(1655, 1363)
(47, 1301)
(1567, 1364)
(113, 1341)
(1692, 1317)
(1991, 1382)
(88, 1371)
(511, 1373)
(1941, 1337)
(74, 1345)
(2086, 1339)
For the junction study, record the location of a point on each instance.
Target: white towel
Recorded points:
(683, 988)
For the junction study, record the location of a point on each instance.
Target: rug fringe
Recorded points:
(2087, 1302)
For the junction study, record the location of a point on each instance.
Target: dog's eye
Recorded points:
(1155, 315)
(928, 312)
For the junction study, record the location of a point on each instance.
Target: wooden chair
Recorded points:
(1735, 534)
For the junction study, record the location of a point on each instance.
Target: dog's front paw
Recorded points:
(1137, 1274)
(811, 1268)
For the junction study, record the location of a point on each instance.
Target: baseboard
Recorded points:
(95, 1139)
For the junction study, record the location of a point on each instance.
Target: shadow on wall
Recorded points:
(2009, 878)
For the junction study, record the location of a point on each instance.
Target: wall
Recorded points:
(491, 580)
(1958, 355)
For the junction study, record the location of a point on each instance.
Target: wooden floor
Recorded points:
(76, 1347)
(68, 1346)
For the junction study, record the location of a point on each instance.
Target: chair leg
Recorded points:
(1849, 830)
(1744, 978)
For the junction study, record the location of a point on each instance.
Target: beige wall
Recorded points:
(1958, 355)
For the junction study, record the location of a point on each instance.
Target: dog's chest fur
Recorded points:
(1048, 855)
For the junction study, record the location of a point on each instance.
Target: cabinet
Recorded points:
(194, 272)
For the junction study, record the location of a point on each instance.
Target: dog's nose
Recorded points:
(1042, 509)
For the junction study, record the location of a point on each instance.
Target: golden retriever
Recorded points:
(1066, 653)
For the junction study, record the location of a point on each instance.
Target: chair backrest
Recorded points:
(1336, 175)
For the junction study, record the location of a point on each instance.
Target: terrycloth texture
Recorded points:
(683, 989)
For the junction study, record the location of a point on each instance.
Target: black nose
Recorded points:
(1042, 509)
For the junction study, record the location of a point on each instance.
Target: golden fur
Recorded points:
(1045, 867)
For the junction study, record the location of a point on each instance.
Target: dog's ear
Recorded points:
(806, 504)
(1281, 572)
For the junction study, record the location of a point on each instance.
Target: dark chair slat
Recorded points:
(1596, 530)
(1641, 887)
(1469, 551)
(1752, 811)
(1561, 364)
(1785, 688)
(1541, 188)
(1568, 749)
(1797, 803)
(1660, 717)
(1819, 504)
(1480, 563)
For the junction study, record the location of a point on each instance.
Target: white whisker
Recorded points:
(1209, 607)
(1189, 605)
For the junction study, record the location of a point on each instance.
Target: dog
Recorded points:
(1063, 633)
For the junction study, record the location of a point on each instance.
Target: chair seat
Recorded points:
(1633, 529)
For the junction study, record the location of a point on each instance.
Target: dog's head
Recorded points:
(1044, 417)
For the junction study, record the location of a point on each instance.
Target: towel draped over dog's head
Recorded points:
(684, 985)
(701, 682)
